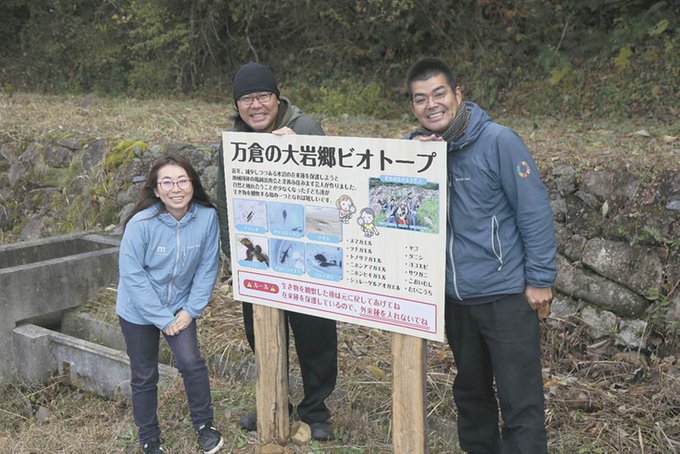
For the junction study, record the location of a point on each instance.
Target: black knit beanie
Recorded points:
(252, 77)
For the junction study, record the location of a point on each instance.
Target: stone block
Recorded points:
(35, 362)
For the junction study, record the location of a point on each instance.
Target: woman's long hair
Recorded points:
(147, 197)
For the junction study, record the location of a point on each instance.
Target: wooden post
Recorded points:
(409, 401)
(272, 375)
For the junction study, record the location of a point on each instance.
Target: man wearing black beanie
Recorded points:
(261, 108)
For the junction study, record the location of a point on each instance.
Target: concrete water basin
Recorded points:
(40, 279)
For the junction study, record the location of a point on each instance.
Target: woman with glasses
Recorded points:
(168, 263)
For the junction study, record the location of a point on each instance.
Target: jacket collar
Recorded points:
(169, 220)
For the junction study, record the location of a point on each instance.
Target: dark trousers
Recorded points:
(497, 340)
(142, 349)
(316, 343)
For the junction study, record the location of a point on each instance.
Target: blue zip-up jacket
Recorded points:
(500, 232)
(166, 265)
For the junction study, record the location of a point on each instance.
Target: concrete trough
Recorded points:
(42, 278)
(84, 326)
(81, 363)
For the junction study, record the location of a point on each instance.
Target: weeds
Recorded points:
(598, 399)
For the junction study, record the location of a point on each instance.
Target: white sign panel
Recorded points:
(346, 228)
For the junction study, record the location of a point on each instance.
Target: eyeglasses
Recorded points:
(422, 100)
(248, 101)
(167, 185)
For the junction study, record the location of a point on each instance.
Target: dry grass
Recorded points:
(643, 146)
(360, 404)
(599, 400)
(584, 143)
(28, 115)
(25, 115)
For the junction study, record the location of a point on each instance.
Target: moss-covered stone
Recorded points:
(123, 152)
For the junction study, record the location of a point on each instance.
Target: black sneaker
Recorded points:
(153, 447)
(209, 439)
(321, 431)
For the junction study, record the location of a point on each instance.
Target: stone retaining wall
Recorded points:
(618, 234)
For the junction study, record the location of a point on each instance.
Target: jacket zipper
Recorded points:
(449, 222)
(174, 267)
(495, 239)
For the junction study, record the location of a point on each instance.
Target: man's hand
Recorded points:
(539, 299)
(283, 131)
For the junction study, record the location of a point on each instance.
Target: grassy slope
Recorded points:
(594, 404)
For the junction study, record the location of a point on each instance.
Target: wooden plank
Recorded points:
(272, 375)
(409, 401)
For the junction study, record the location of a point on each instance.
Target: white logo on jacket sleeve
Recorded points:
(160, 250)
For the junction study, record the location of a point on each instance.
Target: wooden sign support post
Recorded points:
(272, 375)
(409, 401)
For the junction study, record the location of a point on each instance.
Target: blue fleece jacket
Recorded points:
(500, 232)
(166, 265)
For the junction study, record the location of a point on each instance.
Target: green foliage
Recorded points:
(66, 178)
(662, 324)
(65, 46)
(345, 97)
(127, 436)
(647, 235)
(595, 56)
(622, 59)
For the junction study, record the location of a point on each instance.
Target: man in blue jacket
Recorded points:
(500, 265)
